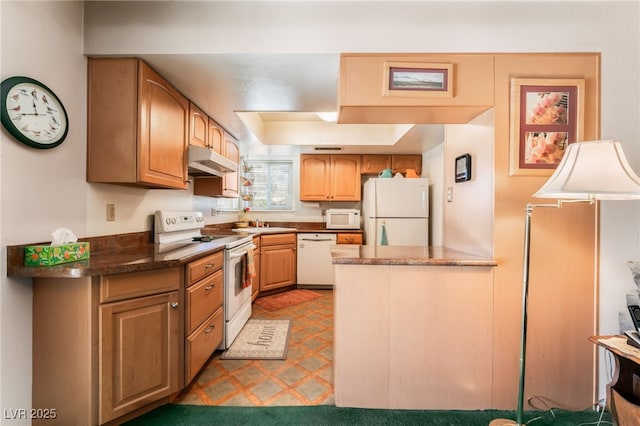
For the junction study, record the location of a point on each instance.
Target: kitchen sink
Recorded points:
(263, 230)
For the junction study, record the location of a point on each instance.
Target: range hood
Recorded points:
(204, 161)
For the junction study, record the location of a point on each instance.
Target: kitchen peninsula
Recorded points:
(413, 328)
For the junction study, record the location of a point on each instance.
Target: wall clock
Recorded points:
(32, 113)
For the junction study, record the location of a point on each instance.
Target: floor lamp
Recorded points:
(589, 171)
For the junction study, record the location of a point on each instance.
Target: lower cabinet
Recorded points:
(204, 315)
(106, 348)
(203, 342)
(278, 261)
(349, 238)
(139, 344)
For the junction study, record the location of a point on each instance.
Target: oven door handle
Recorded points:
(235, 255)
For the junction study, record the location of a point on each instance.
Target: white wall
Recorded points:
(32, 206)
(41, 189)
(468, 218)
(433, 169)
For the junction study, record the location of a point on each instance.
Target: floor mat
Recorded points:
(260, 339)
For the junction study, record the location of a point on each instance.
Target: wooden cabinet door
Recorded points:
(315, 177)
(198, 126)
(278, 266)
(139, 353)
(400, 163)
(372, 164)
(345, 178)
(230, 183)
(216, 137)
(164, 132)
(329, 177)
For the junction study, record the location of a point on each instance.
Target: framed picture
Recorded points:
(407, 79)
(546, 116)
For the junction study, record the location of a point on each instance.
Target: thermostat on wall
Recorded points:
(463, 168)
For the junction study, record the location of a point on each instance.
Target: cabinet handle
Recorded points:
(209, 287)
(174, 305)
(210, 328)
(209, 265)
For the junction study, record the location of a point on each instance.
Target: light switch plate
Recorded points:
(450, 194)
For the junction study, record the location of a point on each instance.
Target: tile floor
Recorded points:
(304, 378)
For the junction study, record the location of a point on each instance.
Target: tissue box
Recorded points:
(55, 255)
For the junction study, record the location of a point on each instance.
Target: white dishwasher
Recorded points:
(314, 260)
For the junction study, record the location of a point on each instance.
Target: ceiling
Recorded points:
(272, 98)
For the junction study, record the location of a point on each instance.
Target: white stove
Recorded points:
(179, 235)
(183, 230)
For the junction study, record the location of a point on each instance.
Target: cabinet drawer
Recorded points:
(277, 239)
(204, 298)
(202, 343)
(349, 239)
(200, 268)
(135, 284)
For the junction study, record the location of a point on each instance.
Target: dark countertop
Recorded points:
(405, 255)
(136, 252)
(132, 259)
(114, 254)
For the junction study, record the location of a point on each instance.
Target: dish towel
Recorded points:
(383, 236)
(249, 272)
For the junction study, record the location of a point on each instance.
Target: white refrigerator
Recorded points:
(400, 206)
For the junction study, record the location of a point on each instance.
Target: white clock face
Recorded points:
(36, 113)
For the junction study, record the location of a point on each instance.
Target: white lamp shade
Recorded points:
(593, 170)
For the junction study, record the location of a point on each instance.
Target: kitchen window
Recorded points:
(267, 185)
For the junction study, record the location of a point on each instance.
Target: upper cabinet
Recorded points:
(230, 182)
(461, 90)
(401, 163)
(215, 136)
(329, 177)
(372, 164)
(138, 126)
(198, 126)
(227, 185)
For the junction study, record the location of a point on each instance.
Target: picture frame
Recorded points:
(418, 79)
(463, 167)
(546, 115)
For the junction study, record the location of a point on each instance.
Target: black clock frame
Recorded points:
(5, 88)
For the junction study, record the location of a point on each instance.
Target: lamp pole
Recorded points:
(523, 331)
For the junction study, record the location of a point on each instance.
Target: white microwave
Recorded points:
(343, 219)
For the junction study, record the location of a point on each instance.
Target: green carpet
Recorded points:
(321, 415)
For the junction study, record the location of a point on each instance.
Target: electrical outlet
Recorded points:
(450, 194)
(111, 212)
